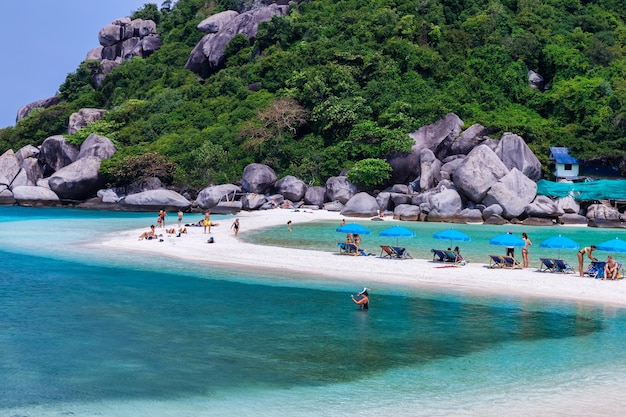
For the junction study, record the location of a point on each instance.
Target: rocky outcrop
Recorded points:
(513, 193)
(478, 173)
(125, 39)
(445, 206)
(514, 153)
(82, 118)
(213, 24)
(315, 196)
(98, 146)
(340, 189)
(78, 180)
(212, 195)
(257, 178)
(157, 199)
(39, 104)
(361, 205)
(430, 136)
(209, 52)
(35, 196)
(55, 153)
(291, 188)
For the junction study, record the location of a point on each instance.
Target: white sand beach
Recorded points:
(474, 278)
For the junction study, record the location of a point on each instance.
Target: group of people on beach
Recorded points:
(611, 267)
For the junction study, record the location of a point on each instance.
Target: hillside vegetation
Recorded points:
(339, 82)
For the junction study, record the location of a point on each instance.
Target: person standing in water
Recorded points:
(363, 300)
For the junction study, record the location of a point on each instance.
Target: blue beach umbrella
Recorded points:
(397, 232)
(507, 239)
(451, 235)
(613, 245)
(559, 242)
(354, 228)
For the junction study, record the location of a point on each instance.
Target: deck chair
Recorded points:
(595, 269)
(387, 252)
(547, 265)
(496, 261)
(439, 255)
(511, 263)
(562, 266)
(347, 248)
(402, 253)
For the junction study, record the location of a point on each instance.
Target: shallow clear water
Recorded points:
(87, 332)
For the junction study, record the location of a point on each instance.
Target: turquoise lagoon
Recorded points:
(89, 332)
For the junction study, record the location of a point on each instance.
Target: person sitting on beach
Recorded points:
(349, 238)
(586, 250)
(150, 234)
(182, 230)
(610, 268)
(170, 231)
(357, 240)
(363, 300)
(457, 252)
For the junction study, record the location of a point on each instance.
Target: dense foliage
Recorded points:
(346, 81)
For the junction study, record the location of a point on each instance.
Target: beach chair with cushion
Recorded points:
(440, 255)
(496, 261)
(595, 269)
(402, 253)
(453, 257)
(511, 263)
(547, 265)
(562, 266)
(347, 248)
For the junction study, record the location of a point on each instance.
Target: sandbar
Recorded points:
(371, 271)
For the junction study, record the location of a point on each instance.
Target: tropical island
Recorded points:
(447, 111)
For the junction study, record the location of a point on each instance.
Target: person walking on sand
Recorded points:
(161, 219)
(363, 300)
(586, 250)
(289, 226)
(235, 227)
(526, 249)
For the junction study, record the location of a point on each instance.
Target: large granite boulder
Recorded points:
(209, 52)
(55, 153)
(6, 196)
(290, 187)
(35, 196)
(157, 199)
(39, 104)
(405, 167)
(447, 170)
(9, 167)
(543, 206)
(213, 24)
(78, 180)
(473, 136)
(568, 205)
(430, 136)
(406, 212)
(513, 193)
(445, 205)
(146, 184)
(315, 196)
(82, 118)
(212, 195)
(99, 146)
(29, 174)
(603, 212)
(494, 209)
(28, 151)
(339, 189)
(478, 173)
(253, 201)
(258, 178)
(514, 153)
(572, 219)
(430, 168)
(361, 205)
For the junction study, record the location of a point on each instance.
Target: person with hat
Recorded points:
(363, 300)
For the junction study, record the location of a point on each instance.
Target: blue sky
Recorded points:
(44, 40)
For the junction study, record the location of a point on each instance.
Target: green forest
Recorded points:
(342, 83)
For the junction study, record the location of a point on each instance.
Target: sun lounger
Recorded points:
(595, 269)
(547, 265)
(511, 263)
(346, 248)
(562, 266)
(496, 261)
(441, 256)
(402, 253)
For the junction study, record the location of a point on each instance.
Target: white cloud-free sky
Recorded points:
(41, 41)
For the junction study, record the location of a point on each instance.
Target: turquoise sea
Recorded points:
(90, 332)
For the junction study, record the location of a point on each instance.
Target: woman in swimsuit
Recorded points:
(525, 249)
(235, 226)
(586, 250)
(363, 301)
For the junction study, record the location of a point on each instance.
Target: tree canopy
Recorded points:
(339, 82)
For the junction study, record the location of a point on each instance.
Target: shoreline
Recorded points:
(471, 279)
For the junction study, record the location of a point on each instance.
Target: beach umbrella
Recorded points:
(559, 242)
(353, 228)
(613, 245)
(451, 235)
(507, 239)
(397, 232)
